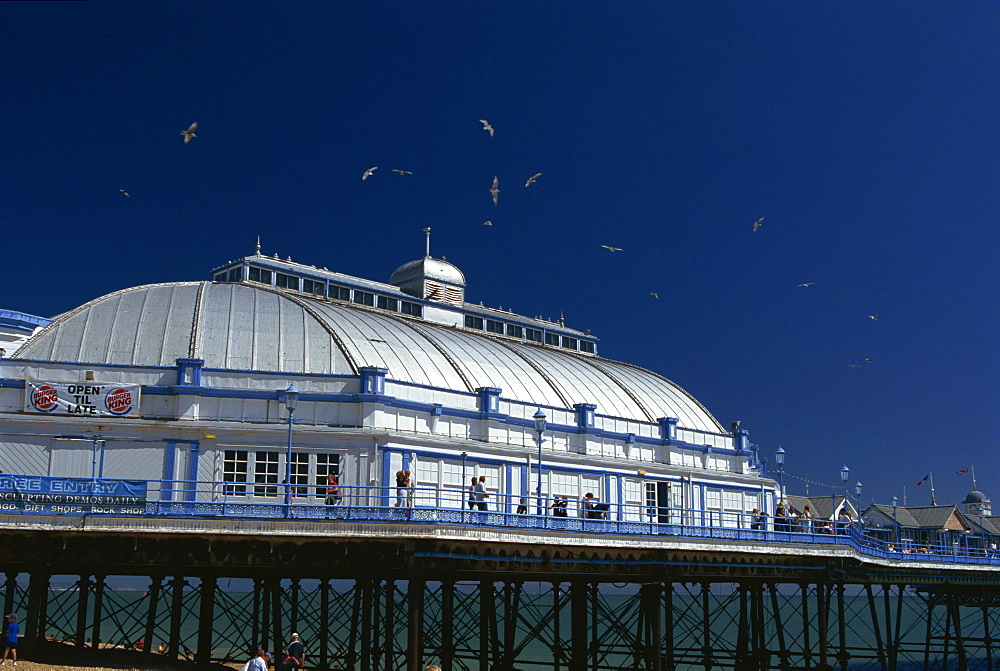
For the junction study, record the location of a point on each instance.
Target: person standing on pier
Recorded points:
(481, 494)
(400, 488)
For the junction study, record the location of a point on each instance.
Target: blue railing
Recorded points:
(40, 495)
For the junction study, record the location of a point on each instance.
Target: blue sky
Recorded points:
(865, 134)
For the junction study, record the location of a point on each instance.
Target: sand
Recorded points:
(51, 656)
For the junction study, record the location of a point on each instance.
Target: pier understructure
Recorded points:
(380, 596)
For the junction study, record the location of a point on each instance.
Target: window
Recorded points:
(386, 303)
(326, 464)
(283, 281)
(569, 343)
(300, 474)
(412, 309)
(515, 331)
(220, 277)
(473, 322)
(234, 274)
(364, 298)
(265, 474)
(234, 472)
(259, 275)
(494, 326)
(534, 335)
(552, 339)
(340, 293)
(586, 346)
(314, 287)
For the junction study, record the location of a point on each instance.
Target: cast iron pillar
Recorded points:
(206, 616)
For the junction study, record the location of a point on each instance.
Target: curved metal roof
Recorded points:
(429, 268)
(245, 327)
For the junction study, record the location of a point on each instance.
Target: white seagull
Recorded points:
(757, 224)
(189, 133)
(873, 317)
(402, 172)
(806, 284)
(368, 173)
(654, 295)
(487, 126)
(494, 190)
(531, 180)
(124, 193)
(487, 223)
(612, 249)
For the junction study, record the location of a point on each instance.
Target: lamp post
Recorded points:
(291, 400)
(895, 522)
(845, 473)
(982, 530)
(539, 418)
(779, 458)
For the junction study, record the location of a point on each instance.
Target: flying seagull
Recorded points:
(189, 133)
(654, 295)
(854, 365)
(531, 180)
(487, 223)
(873, 317)
(757, 223)
(806, 284)
(124, 192)
(487, 126)
(402, 172)
(494, 190)
(612, 249)
(368, 173)
(868, 360)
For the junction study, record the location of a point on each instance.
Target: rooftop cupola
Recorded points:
(433, 279)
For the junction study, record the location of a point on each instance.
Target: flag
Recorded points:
(964, 470)
(924, 479)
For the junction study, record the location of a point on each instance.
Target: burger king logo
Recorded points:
(45, 398)
(118, 401)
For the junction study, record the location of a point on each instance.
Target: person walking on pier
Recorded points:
(400, 488)
(481, 494)
(333, 495)
(11, 632)
(758, 520)
(472, 492)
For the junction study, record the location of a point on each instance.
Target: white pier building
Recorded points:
(182, 385)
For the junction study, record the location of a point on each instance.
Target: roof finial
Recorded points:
(427, 250)
(257, 251)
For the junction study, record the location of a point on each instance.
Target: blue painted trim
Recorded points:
(169, 464)
(189, 368)
(22, 320)
(387, 474)
(194, 452)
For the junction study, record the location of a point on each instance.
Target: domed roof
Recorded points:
(432, 269)
(247, 327)
(975, 496)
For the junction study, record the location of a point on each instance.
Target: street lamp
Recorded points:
(845, 473)
(895, 521)
(539, 418)
(291, 400)
(779, 458)
(857, 491)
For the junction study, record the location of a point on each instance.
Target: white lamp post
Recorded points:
(779, 458)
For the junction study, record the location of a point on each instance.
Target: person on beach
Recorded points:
(11, 633)
(296, 652)
(258, 663)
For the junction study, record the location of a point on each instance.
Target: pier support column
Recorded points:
(668, 624)
(447, 625)
(578, 626)
(83, 593)
(415, 624)
(293, 615)
(37, 622)
(206, 618)
(274, 588)
(367, 626)
(652, 633)
(95, 636)
(154, 601)
(324, 624)
(176, 615)
(389, 626)
(10, 592)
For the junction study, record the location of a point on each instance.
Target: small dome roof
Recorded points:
(432, 269)
(975, 496)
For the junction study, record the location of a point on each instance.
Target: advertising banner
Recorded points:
(82, 399)
(43, 495)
